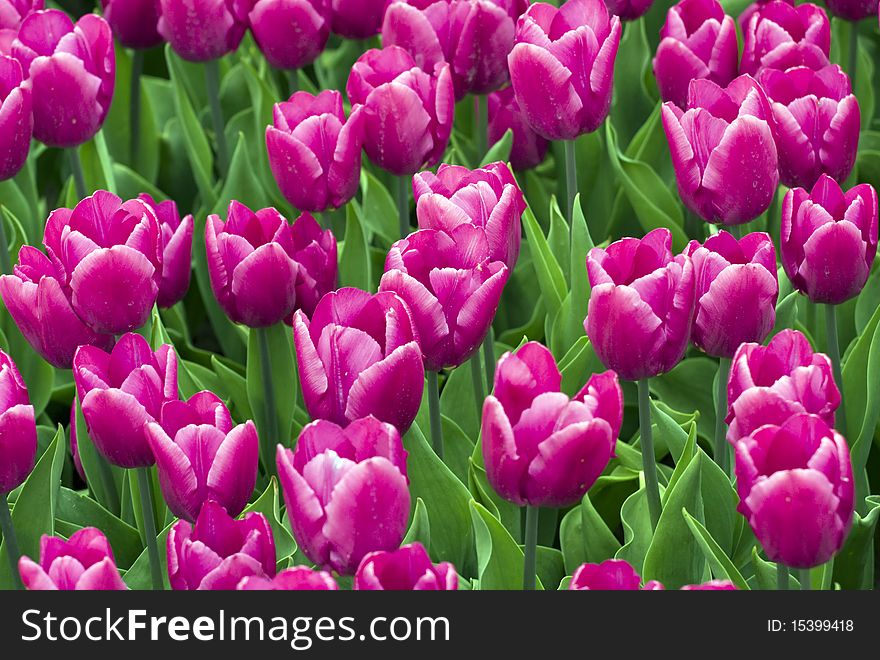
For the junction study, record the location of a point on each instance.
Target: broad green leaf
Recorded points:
(558, 238)
(584, 537)
(139, 577)
(688, 388)
(853, 565)
(551, 279)
(241, 183)
(719, 563)
(637, 533)
(500, 559)
(577, 365)
(234, 390)
(420, 527)
(500, 151)
(269, 504)
(550, 566)
(508, 513)
(80, 511)
(104, 480)
(786, 313)
(354, 261)
(379, 208)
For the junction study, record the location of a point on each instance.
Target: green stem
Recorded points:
(109, 482)
(781, 577)
(212, 82)
(489, 360)
(482, 125)
(722, 451)
(570, 179)
(477, 380)
(271, 439)
(403, 205)
(5, 261)
(134, 117)
(810, 317)
(834, 353)
(531, 548)
(146, 497)
(434, 410)
(8, 530)
(79, 179)
(852, 69)
(292, 81)
(737, 231)
(805, 579)
(649, 462)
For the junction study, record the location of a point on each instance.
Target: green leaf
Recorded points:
(558, 238)
(765, 574)
(500, 151)
(719, 563)
(853, 567)
(457, 401)
(861, 397)
(500, 559)
(508, 513)
(241, 183)
(420, 527)
(379, 208)
(549, 566)
(96, 466)
(234, 390)
(585, 537)
(139, 577)
(354, 262)
(269, 505)
(637, 533)
(551, 279)
(786, 313)
(688, 388)
(106, 162)
(79, 510)
(577, 364)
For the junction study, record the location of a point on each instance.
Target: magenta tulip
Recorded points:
(38, 303)
(540, 447)
(698, 40)
(746, 16)
(562, 66)
(346, 491)
(314, 151)
(360, 356)
(18, 430)
(628, 10)
(291, 33)
(82, 563)
(16, 118)
(408, 111)
(452, 288)
(177, 236)
(488, 197)
(852, 10)
(218, 552)
(203, 30)
(795, 485)
(641, 305)
(71, 71)
(13, 12)
(817, 122)
(121, 392)
(723, 150)
(829, 239)
(298, 578)
(780, 36)
(769, 384)
(134, 22)
(529, 149)
(357, 19)
(406, 569)
(610, 575)
(736, 288)
(711, 585)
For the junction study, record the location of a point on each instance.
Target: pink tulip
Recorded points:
(203, 30)
(82, 563)
(357, 19)
(610, 575)
(133, 22)
(291, 33)
(16, 118)
(18, 430)
(406, 569)
(780, 36)
(529, 149)
(298, 578)
(177, 238)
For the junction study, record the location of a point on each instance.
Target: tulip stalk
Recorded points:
(5, 261)
(649, 462)
(269, 439)
(833, 347)
(149, 531)
(722, 453)
(403, 206)
(530, 549)
(482, 125)
(212, 82)
(781, 577)
(489, 360)
(137, 69)
(434, 410)
(79, 179)
(805, 579)
(477, 380)
(12, 552)
(570, 180)
(853, 63)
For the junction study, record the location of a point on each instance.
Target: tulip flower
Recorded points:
(177, 238)
(408, 111)
(711, 585)
(573, 80)
(747, 13)
(133, 22)
(16, 118)
(769, 384)
(203, 30)
(529, 148)
(406, 569)
(723, 150)
(314, 151)
(357, 19)
(610, 575)
(18, 430)
(13, 12)
(698, 40)
(829, 239)
(262, 268)
(360, 356)
(71, 70)
(218, 552)
(817, 122)
(852, 10)
(298, 578)
(628, 10)
(488, 197)
(36, 299)
(795, 485)
(781, 36)
(291, 33)
(200, 457)
(121, 392)
(346, 491)
(82, 563)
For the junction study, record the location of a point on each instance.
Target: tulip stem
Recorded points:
(403, 205)
(134, 124)
(530, 549)
(834, 353)
(5, 261)
(570, 179)
(434, 410)
(212, 82)
(271, 439)
(722, 453)
(146, 497)
(781, 577)
(292, 81)
(805, 579)
(852, 69)
(649, 461)
(79, 179)
(12, 552)
(477, 380)
(482, 125)
(489, 360)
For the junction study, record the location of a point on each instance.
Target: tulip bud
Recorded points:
(541, 448)
(406, 569)
(474, 36)
(781, 36)
(360, 356)
(133, 22)
(698, 40)
(82, 563)
(610, 575)
(357, 19)
(723, 150)
(529, 148)
(575, 80)
(71, 71)
(628, 10)
(711, 585)
(16, 118)
(108, 253)
(314, 152)
(291, 33)
(452, 289)
(746, 16)
(202, 30)
(829, 239)
(408, 111)
(218, 552)
(298, 578)
(817, 122)
(200, 457)
(641, 305)
(177, 236)
(262, 268)
(18, 430)
(736, 291)
(346, 491)
(852, 10)
(769, 384)
(121, 392)
(795, 485)
(488, 197)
